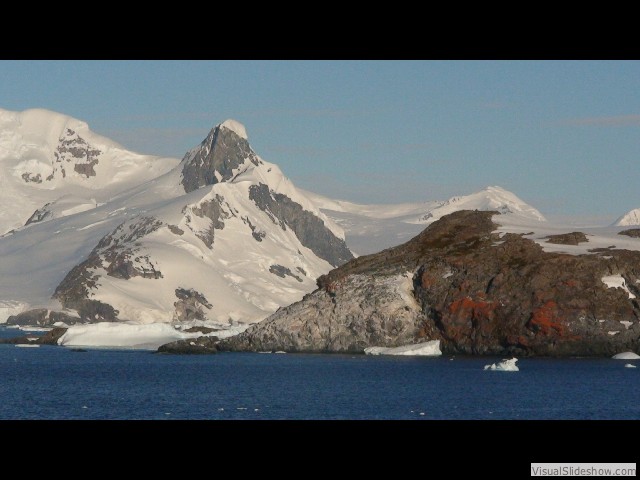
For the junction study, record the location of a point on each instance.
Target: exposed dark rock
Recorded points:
(476, 292)
(49, 338)
(255, 232)
(198, 345)
(189, 305)
(175, 230)
(281, 271)
(41, 317)
(214, 211)
(203, 330)
(310, 230)
(118, 251)
(72, 148)
(632, 232)
(39, 215)
(222, 152)
(31, 178)
(573, 238)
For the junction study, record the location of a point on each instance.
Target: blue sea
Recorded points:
(57, 383)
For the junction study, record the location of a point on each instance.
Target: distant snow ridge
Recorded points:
(630, 218)
(491, 198)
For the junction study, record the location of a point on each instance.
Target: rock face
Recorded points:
(475, 290)
(41, 317)
(216, 159)
(632, 232)
(573, 238)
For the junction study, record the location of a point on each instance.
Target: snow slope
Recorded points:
(46, 155)
(231, 250)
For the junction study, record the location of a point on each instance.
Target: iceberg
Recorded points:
(122, 335)
(506, 365)
(626, 356)
(427, 349)
(630, 365)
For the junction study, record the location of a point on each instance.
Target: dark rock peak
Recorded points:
(216, 158)
(573, 238)
(310, 230)
(39, 215)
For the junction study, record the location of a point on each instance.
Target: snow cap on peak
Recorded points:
(235, 127)
(632, 217)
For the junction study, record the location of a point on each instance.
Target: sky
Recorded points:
(562, 135)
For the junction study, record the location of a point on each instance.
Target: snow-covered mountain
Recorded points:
(223, 236)
(491, 198)
(53, 162)
(630, 218)
(371, 228)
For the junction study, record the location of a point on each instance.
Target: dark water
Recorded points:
(57, 383)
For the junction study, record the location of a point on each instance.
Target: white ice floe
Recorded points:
(430, 349)
(27, 345)
(506, 365)
(629, 365)
(122, 335)
(626, 356)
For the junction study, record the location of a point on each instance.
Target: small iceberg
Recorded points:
(626, 356)
(506, 365)
(629, 365)
(27, 345)
(427, 349)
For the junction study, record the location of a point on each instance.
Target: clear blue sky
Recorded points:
(563, 135)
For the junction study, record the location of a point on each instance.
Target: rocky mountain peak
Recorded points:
(222, 155)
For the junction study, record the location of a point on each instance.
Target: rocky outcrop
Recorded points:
(189, 305)
(49, 338)
(198, 345)
(310, 229)
(216, 159)
(573, 238)
(475, 290)
(632, 232)
(118, 254)
(42, 317)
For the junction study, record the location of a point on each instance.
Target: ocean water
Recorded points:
(58, 383)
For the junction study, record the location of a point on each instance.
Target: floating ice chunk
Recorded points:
(27, 345)
(506, 365)
(626, 356)
(629, 365)
(429, 349)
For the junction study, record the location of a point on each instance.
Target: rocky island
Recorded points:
(460, 281)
